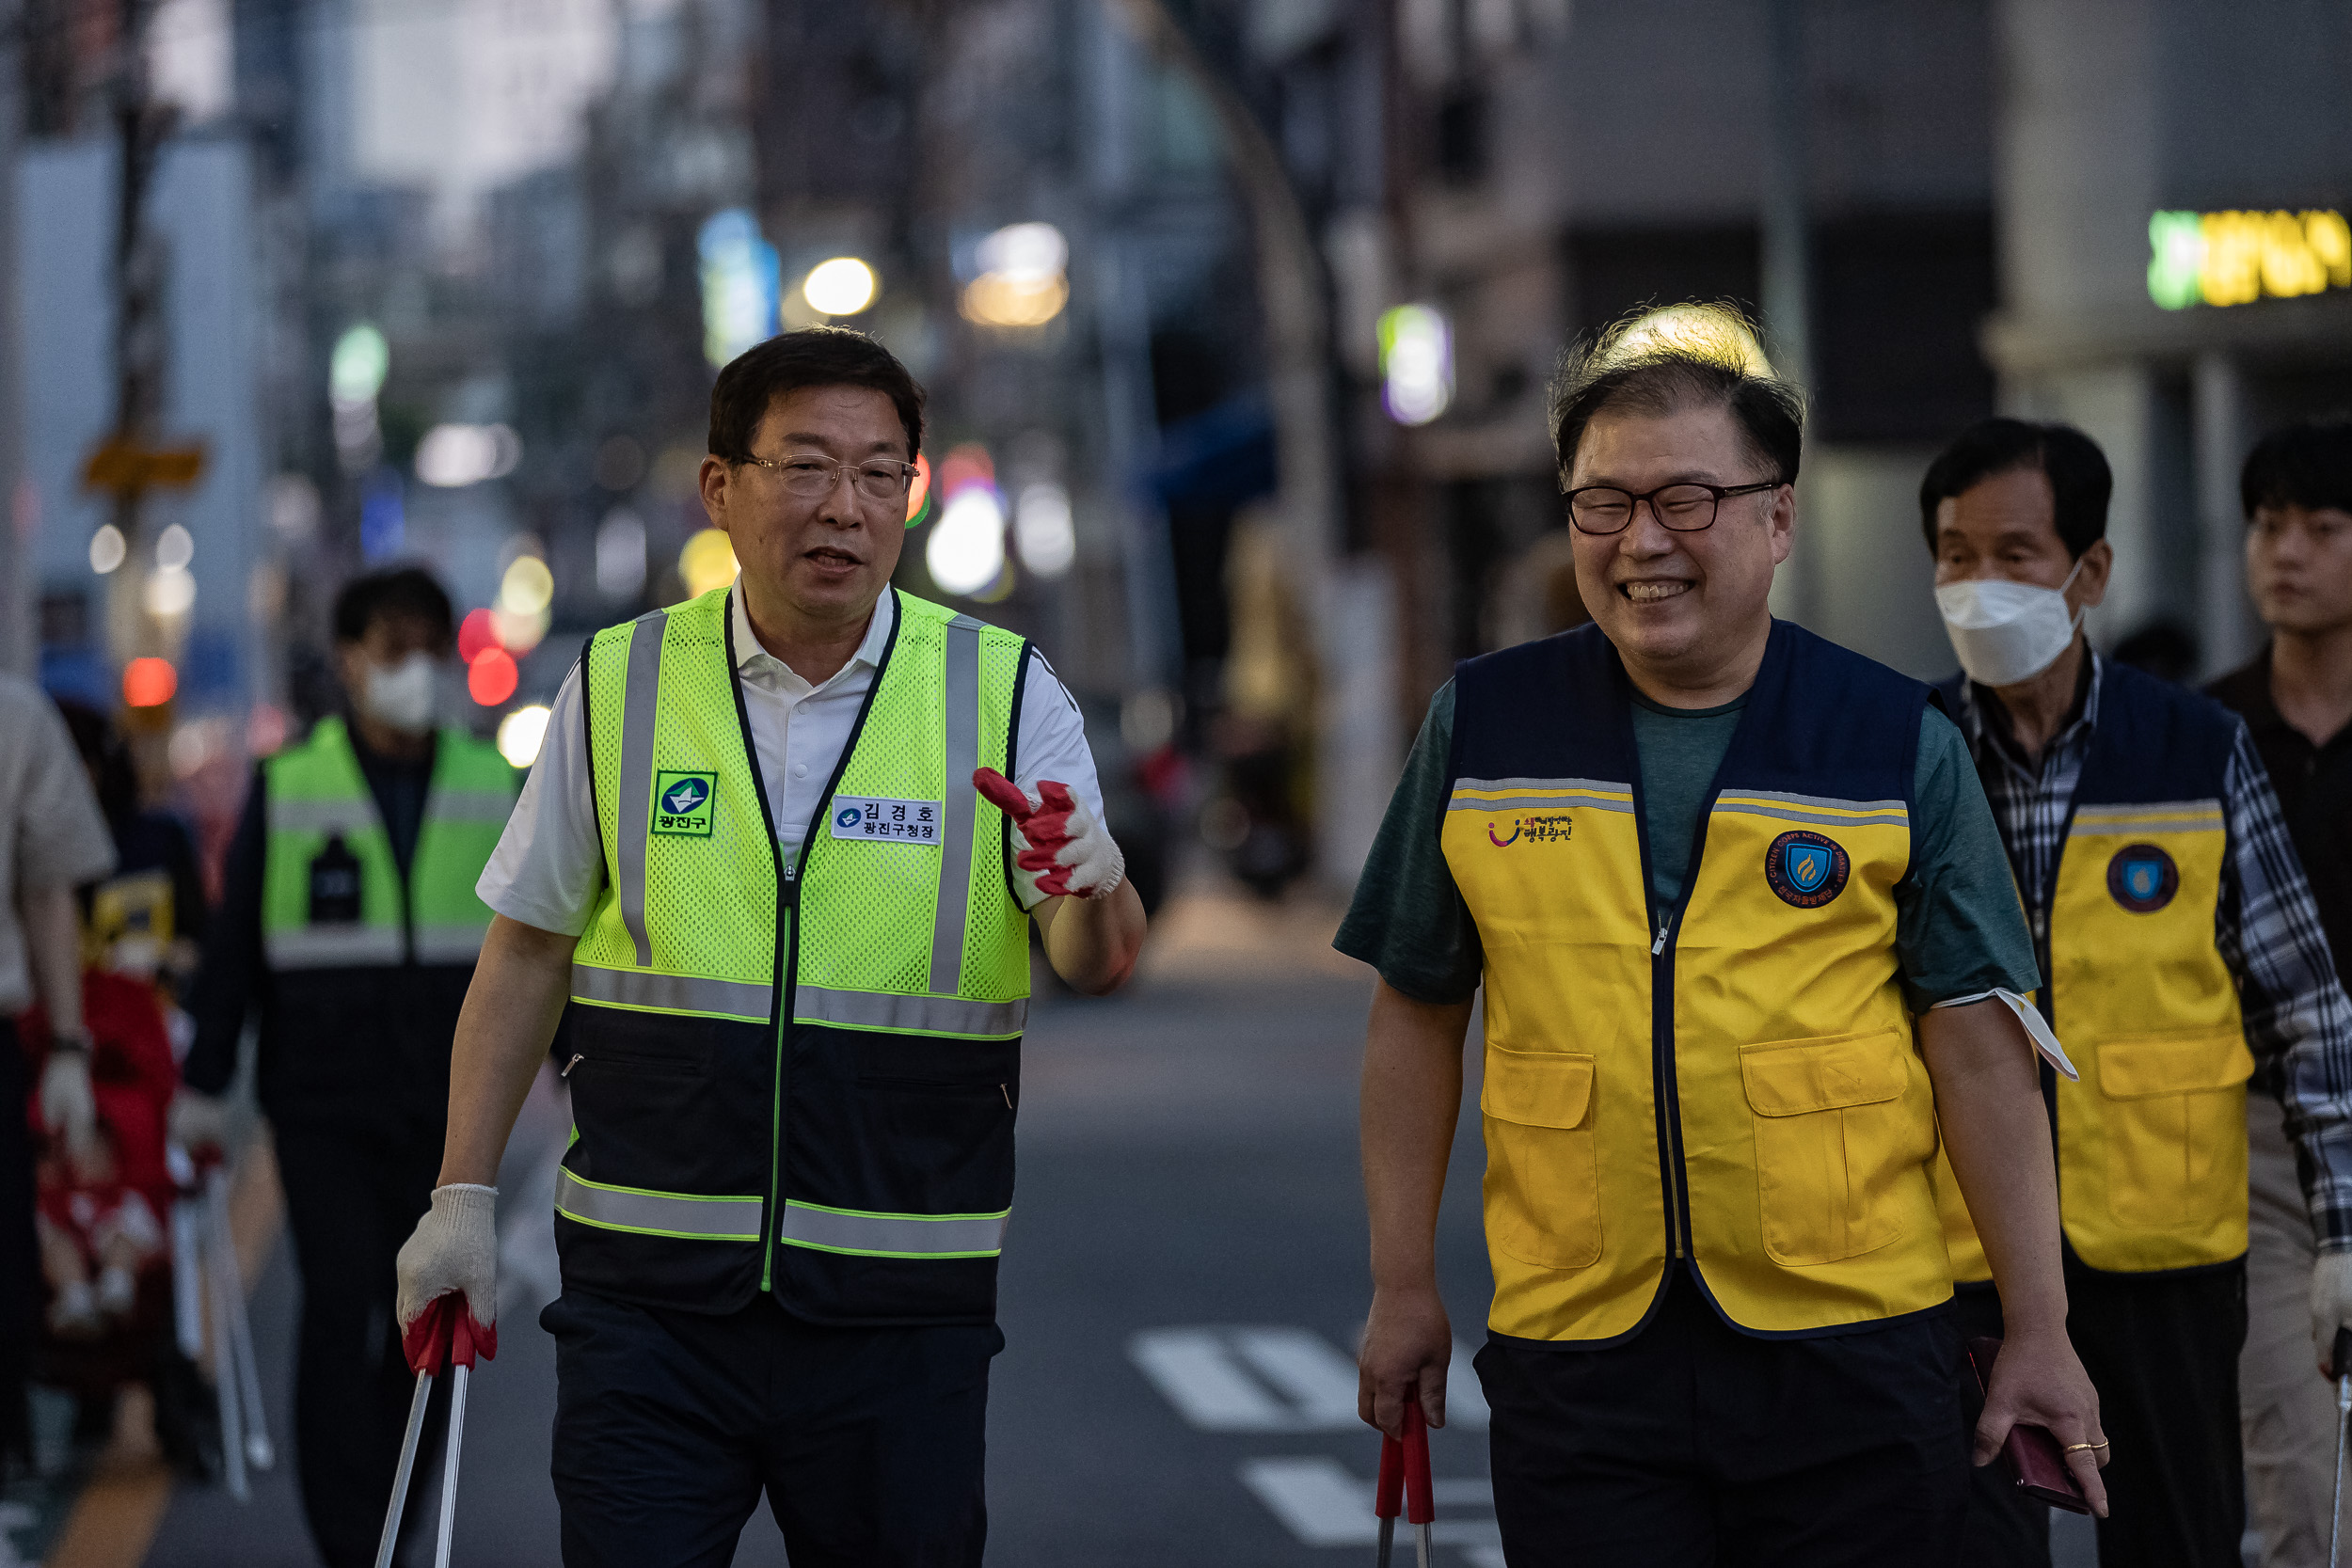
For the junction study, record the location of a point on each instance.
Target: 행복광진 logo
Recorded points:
(1805, 869)
(1551, 828)
(684, 803)
(2142, 877)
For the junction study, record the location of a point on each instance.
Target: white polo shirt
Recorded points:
(549, 867)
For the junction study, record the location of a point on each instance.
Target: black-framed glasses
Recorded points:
(1684, 506)
(808, 475)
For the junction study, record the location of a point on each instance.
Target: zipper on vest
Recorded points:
(1662, 1087)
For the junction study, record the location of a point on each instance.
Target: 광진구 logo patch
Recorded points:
(684, 803)
(1805, 869)
(2142, 877)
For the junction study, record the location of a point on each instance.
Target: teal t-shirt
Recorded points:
(1959, 930)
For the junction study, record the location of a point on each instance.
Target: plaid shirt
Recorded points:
(2298, 1024)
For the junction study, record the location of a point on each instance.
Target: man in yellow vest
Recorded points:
(1746, 942)
(2184, 954)
(781, 852)
(349, 926)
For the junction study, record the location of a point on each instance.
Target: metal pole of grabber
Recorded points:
(2342, 1363)
(448, 1465)
(407, 1468)
(247, 1368)
(220, 1278)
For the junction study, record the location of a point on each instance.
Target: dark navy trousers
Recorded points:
(870, 1443)
(1693, 1445)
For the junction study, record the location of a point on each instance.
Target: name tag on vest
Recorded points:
(900, 821)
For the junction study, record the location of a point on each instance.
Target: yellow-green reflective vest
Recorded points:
(2152, 1157)
(1731, 1081)
(332, 896)
(797, 1073)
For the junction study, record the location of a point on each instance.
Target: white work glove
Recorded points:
(1064, 851)
(197, 1122)
(2332, 1306)
(68, 1108)
(455, 1248)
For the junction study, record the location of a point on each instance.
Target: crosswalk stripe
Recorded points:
(1322, 1504)
(1275, 1378)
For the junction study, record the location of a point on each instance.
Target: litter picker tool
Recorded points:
(1405, 1480)
(445, 1337)
(2342, 1363)
(234, 1362)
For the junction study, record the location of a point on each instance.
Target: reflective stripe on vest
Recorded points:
(673, 993)
(648, 1213)
(909, 1015)
(868, 1235)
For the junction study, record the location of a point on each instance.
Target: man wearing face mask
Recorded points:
(2182, 954)
(350, 925)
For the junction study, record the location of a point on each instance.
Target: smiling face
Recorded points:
(1687, 611)
(815, 562)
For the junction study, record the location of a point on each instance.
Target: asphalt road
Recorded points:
(1182, 1282)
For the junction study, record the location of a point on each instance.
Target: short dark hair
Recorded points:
(396, 590)
(812, 357)
(2080, 481)
(1660, 361)
(2308, 463)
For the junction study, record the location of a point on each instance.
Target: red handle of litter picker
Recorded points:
(446, 1334)
(1404, 1472)
(1420, 1505)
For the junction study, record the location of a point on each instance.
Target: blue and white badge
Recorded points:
(895, 822)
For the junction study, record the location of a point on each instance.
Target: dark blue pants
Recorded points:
(869, 1442)
(1694, 1446)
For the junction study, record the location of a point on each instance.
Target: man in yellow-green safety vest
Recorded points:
(349, 927)
(780, 853)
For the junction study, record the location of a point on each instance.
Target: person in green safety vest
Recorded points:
(349, 927)
(781, 854)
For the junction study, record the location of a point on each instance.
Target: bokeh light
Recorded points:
(708, 561)
(1416, 363)
(966, 550)
(841, 287)
(149, 682)
(107, 551)
(528, 586)
(174, 549)
(522, 733)
(492, 676)
(919, 492)
(476, 632)
(1043, 529)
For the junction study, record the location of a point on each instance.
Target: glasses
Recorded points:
(805, 474)
(1685, 507)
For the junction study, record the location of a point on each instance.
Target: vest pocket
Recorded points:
(1543, 1187)
(2176, 1132)
(1831, 1137)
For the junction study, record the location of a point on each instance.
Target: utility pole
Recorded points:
(19, 641)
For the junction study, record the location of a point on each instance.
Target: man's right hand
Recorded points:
(455, 1248)
(1408, 1346)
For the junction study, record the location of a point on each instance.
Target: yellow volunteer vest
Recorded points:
(1733, 1079)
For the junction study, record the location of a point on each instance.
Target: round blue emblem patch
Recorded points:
(847, 816)
(1807, 869)
(2142, 877)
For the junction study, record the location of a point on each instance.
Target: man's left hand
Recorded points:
(2332, 1306)
(2038, 1380)
(1066, 852)
(68, 1108)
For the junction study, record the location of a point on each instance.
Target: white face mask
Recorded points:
(2005, 632)
(402, 696)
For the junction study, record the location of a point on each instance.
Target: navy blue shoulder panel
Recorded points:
(2155, 743)
(1554, 708)
(1949, 696)
(1822, 719)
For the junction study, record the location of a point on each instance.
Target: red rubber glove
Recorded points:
(444, 1335)
(1066, 852)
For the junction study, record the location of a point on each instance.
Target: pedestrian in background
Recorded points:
(1747, 938)
(2295, 698)
(52, 839)
(349, 927)
(2182, 953)
(755, 855)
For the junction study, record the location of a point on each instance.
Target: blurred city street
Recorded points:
(1182, 1289)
